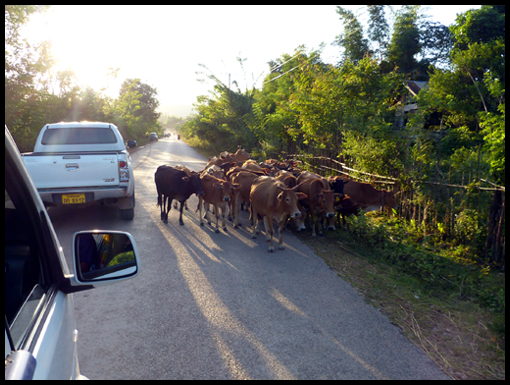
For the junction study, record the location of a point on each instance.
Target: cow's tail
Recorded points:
(160, 202)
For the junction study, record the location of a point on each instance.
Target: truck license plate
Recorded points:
(68, 199)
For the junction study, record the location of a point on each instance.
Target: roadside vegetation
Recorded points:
(447, 304)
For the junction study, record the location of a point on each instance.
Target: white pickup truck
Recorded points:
(80, 162)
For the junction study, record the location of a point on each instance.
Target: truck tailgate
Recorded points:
(61, 171)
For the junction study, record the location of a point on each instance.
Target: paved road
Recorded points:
(219, 306)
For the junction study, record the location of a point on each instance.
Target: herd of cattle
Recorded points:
(275, 191)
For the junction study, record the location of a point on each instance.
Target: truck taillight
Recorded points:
(123, 171)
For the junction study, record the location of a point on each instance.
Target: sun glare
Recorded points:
(79, 45)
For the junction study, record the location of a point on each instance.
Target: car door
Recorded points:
(39, 318)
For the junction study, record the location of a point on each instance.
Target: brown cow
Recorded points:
(368, 197)
(290, 181)
(215, 161)
(245, 180)
(271, 200)
(241, 155)
(320, 199)
(213, 170)
(217, 192)
(252, 165)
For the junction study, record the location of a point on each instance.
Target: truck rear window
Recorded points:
(82, 135)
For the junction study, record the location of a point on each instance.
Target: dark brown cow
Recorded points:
(273, 201)
(368, 197)
(172, 183)
(345, 207)
(320, 199)
(218, 193)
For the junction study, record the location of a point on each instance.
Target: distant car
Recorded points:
(131, 143)
(153, 136)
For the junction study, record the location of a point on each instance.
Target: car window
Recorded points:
(25, 284)
(82, 135)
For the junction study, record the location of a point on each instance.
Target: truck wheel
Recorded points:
(129, 214)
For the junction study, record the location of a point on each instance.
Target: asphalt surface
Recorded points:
(219, 306)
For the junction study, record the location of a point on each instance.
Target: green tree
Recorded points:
(352, 40)
(405, 40)
(348, 107)
(378, 28)
(25, 64)
(135, 109)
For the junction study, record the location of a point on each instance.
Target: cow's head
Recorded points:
(195, 183)
(389, 199)
(337, 184)
(241, 155)
(288, 201)
(228, 189)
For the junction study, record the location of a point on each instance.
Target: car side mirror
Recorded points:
(104, 256)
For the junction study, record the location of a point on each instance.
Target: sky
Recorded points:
(164, 45)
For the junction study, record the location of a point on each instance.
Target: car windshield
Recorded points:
(81, 135)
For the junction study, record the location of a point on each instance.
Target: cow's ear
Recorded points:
(236, 186)
(301, 195)
(280, 196)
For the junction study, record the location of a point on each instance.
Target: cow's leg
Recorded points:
(255, 222)
(217, 215)
(206, 216)
(271, 232)
(180, 214)
(166, 208)
(320, 223)
(224, 208)
(160, 204)
(230, 210)
(199, 208)
(266, 227)
(280, 231)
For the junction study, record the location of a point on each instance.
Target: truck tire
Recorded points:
(129, 214)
